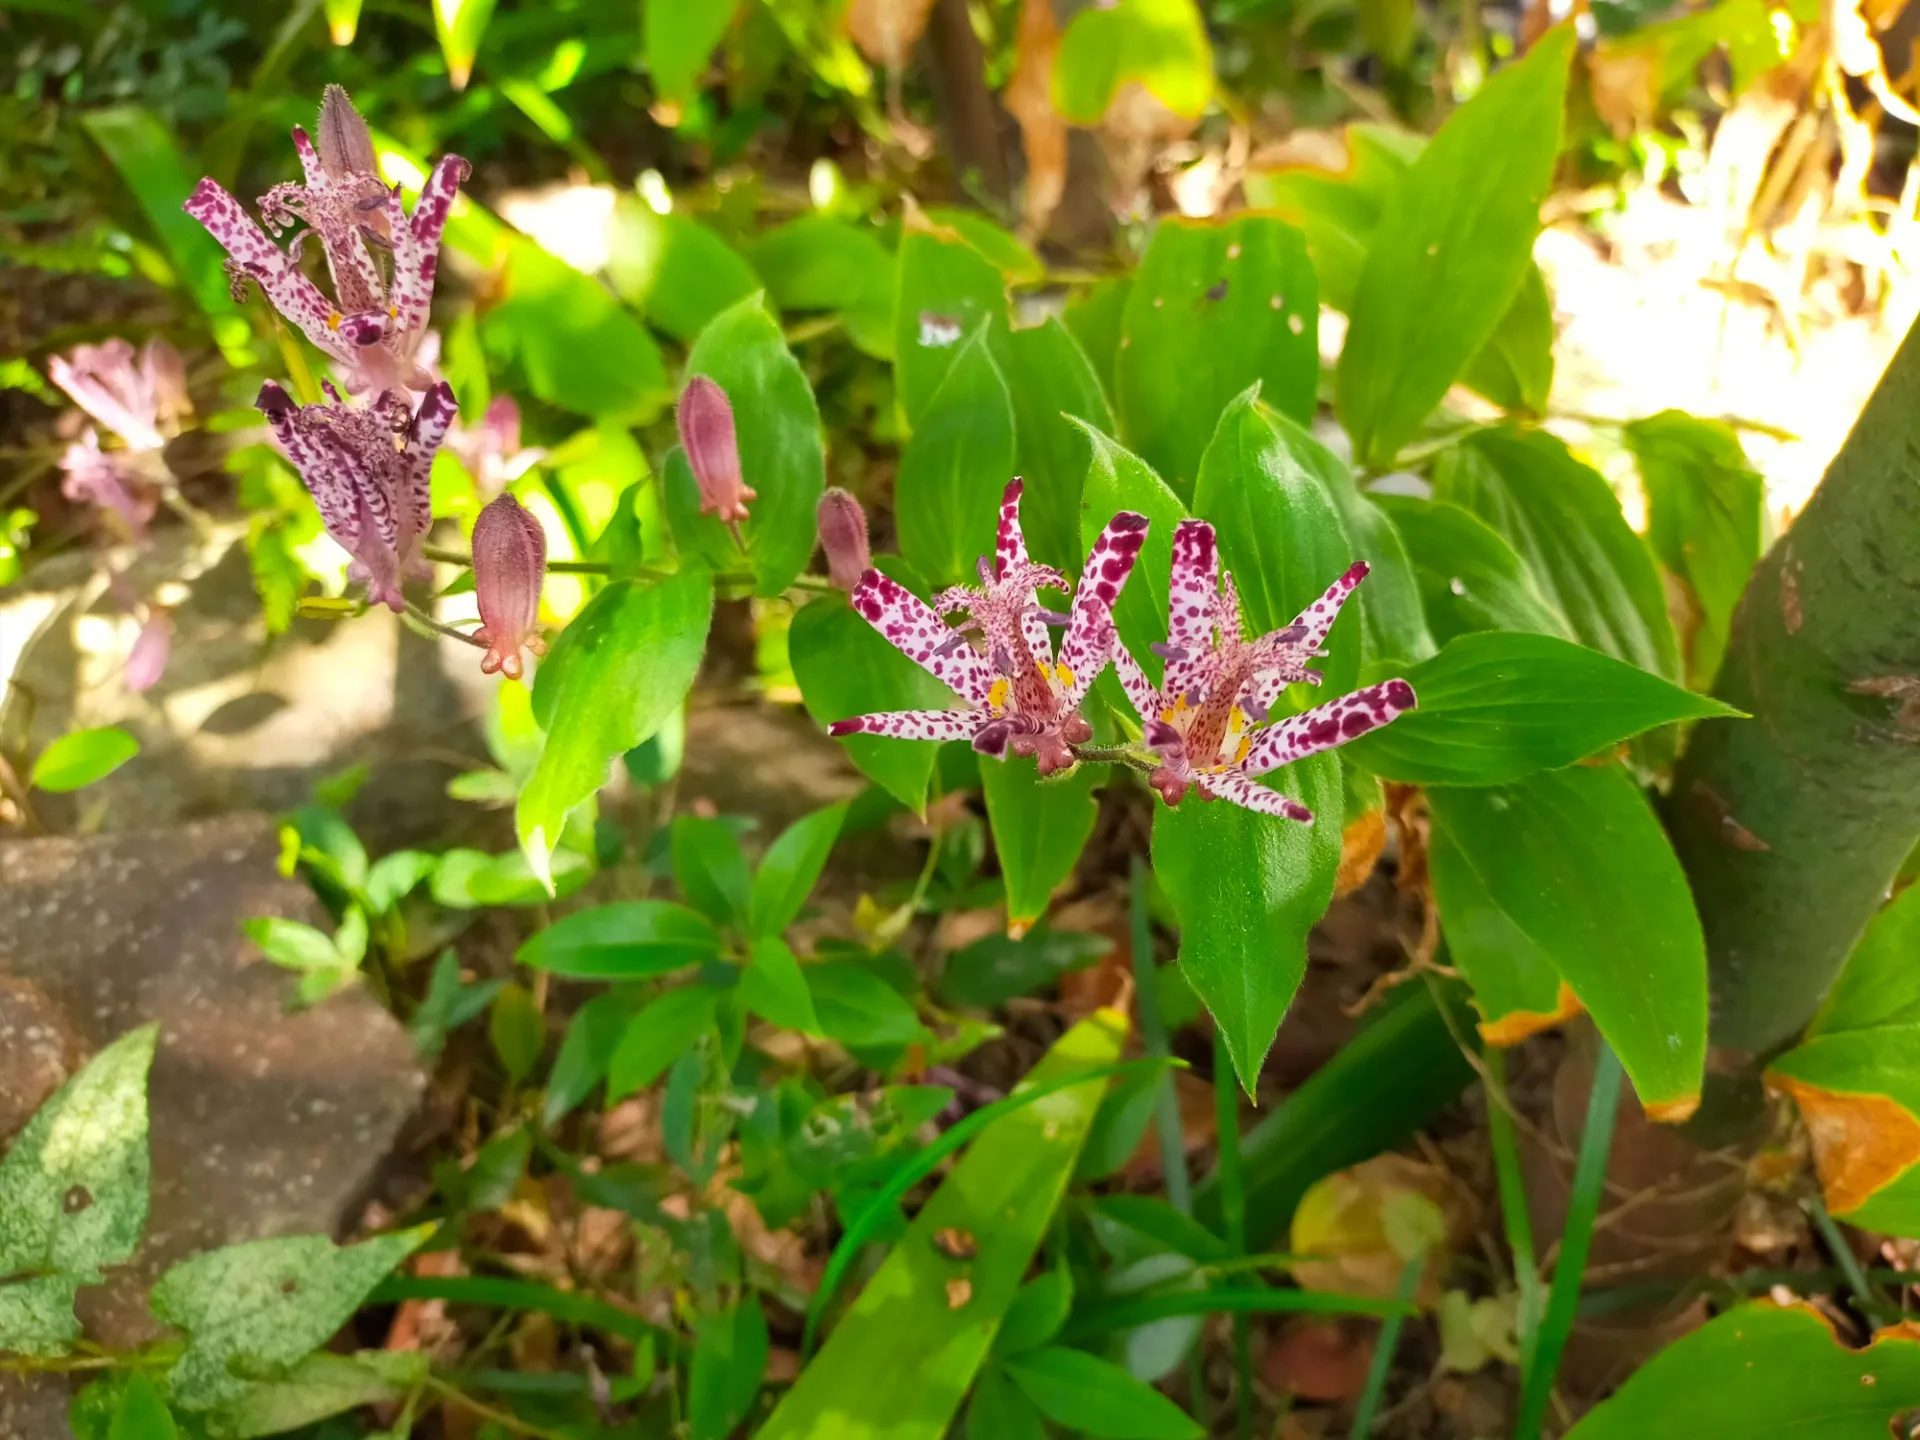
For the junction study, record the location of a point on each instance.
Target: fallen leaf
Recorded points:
(1320, 1360)
(1860, 1142)
(1028, 98)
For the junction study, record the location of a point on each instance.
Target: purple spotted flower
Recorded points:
(1020, 697)
(367, 468)
(1208, 720)
(139, 396)
(374, 324)
(491, 450)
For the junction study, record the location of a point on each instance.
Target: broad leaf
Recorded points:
(1160, 45)
(996, 968)
(729, 1359)
(1039, 829)
(1454, 243)
(142, 1414)
(73, 1194)
(1514, 369)
(998, 1411)
(1577, 862)
(792, 866)
(955, 466)
(1392, 614)
(1247, 888)
(845, 667)
(711, 869)
(1763, 1372)
(1469, 577)
(1094, 315)
(1879, 984)
(1041, 1307)
(266, 1303)
(81, 757)
(947, 292)
(856, 1007)
(1052, 385)
(585, 1050)
(658, 1036)
(678, 41)
(1117, 480)
(781, 455)
(822, 262)
(616, 673)
(1497, 705)
(629, 940)
(1565, 523)
(1516, 988)
(1706, 509)
(319, 1386)
(1097, 1397)
(1214, 309)
(673, 269)
(773, 987)
(1279, 532)
(900, 1362)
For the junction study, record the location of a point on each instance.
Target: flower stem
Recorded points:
(421, 617)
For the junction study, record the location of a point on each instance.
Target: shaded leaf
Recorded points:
(947, 292)
(711, 869)
(628, 940)
(659, 1035)
(729, 1359)
(673, 269)
(955, 466)
(1039, 829)
(1097, 1397)
(1469, 577)
(1052, 385)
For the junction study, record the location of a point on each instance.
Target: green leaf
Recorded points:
(658, 1036)
(1158, 44)
(471, 879)
(585, 1051)
(629, 940)
(449, 1003)
(947, 293)
(518, 1032)
(1705, 517)
(1041, 1307)
(1859, 1093)
(856, 1007)
(1564, 521)
(1763, 1372)
(1039, 829)
(1454, 244)
(73, 1194)
(1247, 889)
(1189, 347)
(1009, 254)
(791, 868)
(1469, 578)
(142, 1414)
(781, 455)
(1393, 621)
(1052, 385)
(899, 1363)
(319, 1386)
(292, 944)
(148, 159)
(460, 24)
(1097, 1397)
(1497, 705)
(264, 1304)
(1279, 533)
(998, 1411)
(1117, 480)
(845, 667)
(1577, 862)
(823, 262)
(81, 757)
(996, 968)
(1094, 316)
(711, 870)
(393, 877)
(1879, 984)
(773, 987)
(1516, 987)
(615, 674)
(955, 466)
(1514, 369)
(729, 1359)
(679, 40)
(673, 269)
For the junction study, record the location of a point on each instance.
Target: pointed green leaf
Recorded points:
(1469, 577)
(143, 1415)
(1247, 889)
(1039, 829)
(1579, 864)
(679, 41)
(1454, 243)
(628, 940)
(1117, 480)
(1215, 308)
(1052, 385)
(614, 676)
(711, 869)
(773, 987)
(658, 1036)
(729, 1360)
(955, 466)
(1097, 1397)
(947, 292)
(791, 867)
(81, 757)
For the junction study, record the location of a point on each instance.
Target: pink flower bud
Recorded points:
(843, 535)
(509, 562)
(147, 661)
(706, 433)
(346, 145)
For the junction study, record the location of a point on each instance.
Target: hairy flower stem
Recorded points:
(421, 617)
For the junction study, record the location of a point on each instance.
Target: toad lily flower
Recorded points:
(374, 324)
(1021, 697)
(509, 562)
(367, 469)
(1206, 721)
(705, 418)
(141, 397)
(491, 450)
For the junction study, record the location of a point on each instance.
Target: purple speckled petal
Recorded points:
(1235, 787)
(1140, 692)
(910, 625)
(912, 725)
(1090, 636)
(286, 288)
(1343, 718)
(1193, 594)
(413, 492)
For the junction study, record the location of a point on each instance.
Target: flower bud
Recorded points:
(346, 145)
(147, 661)
(509, 562)
(705, 418)
(843, 535)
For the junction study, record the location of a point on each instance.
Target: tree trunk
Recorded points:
(1793, 824)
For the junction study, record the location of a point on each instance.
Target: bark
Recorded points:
(1793, 824)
